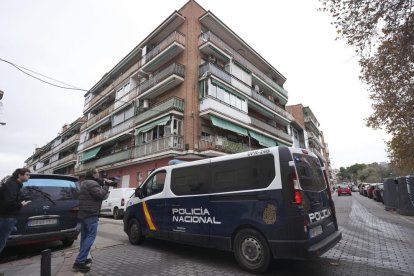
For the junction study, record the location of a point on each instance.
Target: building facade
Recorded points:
(59, 156)
(191, 89)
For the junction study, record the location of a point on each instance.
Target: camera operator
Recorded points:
(92, 191)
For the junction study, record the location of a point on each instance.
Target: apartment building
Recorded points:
(191, 89)
(306, 133)
(59, 156)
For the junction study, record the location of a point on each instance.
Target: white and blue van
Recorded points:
(262, 204)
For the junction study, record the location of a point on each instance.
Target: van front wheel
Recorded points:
(134, 232)
(251, 251)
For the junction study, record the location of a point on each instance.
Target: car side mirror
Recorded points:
(138, 192)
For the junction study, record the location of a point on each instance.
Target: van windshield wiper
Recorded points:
(45, 195)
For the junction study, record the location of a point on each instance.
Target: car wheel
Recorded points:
(134, 232)
(116, 214)
(251, 251)
(67, 242)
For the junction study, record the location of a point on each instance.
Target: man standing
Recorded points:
(92, 191)
(10, 203)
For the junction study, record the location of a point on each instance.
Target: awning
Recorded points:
(263, 140)
(160, 122)
(90, 154)
(221, 123)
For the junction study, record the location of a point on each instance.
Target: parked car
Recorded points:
(365, 190)
(378, 192)
(344, 190)
(355, 188)
(370, 190)
(116, 202)
(52, 214)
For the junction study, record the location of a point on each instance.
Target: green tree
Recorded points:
(382, 33)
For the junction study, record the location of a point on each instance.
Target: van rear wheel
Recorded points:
(117, 214)
(134, 232)
(251, 251)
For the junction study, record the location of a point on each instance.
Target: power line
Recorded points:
(20, 68)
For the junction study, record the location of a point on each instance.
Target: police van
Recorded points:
(262, 204)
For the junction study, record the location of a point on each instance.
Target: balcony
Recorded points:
(172, 142)
(315, 139)
(169, 48)
(209, 103)
(107, 160)
(71, 158)
(311, 124)
(270, 129)
(129, 124)
(222, 144)
(64, 144)
(173, 103)
(168, 78)
(214, 40)
(241, 86)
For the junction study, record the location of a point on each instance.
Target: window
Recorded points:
(309, 172)
(191, 180)
(256, 172)
(155, 184)
(139, 178)
(250, 173)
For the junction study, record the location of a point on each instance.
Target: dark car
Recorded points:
(344, 190)
(378, 192)
(52, 214)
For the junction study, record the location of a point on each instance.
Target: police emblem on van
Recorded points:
(269, 214)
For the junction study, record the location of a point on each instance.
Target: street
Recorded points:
(375, 242)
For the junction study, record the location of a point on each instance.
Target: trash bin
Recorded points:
(390, 193)
(405, 199)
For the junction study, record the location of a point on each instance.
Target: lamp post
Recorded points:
(2, 123)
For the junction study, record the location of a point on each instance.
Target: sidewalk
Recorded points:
(61, 265)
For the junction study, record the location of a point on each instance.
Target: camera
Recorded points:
(111, 182)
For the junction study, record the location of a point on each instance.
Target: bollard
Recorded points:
(45, 264)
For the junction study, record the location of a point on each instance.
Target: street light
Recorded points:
(2, 123)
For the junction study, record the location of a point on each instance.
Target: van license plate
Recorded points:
(315, 231)
(39, 222)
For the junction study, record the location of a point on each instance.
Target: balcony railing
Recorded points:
(107, 160)
(314, 138)
(271, 105)
(173, 37)
(172, 103)
(74, 138)
(279, 133)
(222, 144)
(172, 142)
(174, 68)
(70, 157)
(209, 36)
(108, 134)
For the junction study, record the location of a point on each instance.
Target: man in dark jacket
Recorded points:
(92, 191)
(10, 203)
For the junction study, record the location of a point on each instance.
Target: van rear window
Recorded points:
(309, 172)
(55, 189)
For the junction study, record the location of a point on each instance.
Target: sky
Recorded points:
(78, 41)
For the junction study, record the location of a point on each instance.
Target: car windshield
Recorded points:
(52, 189)
(309, 172)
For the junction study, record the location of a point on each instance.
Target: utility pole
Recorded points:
(1, 105)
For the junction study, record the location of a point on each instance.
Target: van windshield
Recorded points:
(54, 189)
(309, 172)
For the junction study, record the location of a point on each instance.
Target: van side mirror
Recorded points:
(138, 192)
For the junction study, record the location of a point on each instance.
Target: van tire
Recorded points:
(251, 251)
(135, 232)
(116, 214)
